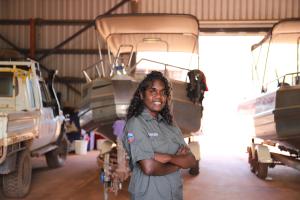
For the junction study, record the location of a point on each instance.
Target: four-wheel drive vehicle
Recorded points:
(31, 124)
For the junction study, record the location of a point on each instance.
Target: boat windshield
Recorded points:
(169, 42)
(6, 82)
(174, 64)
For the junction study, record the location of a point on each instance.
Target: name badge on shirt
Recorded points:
(153, 134)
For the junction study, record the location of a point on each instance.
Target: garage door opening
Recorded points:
(227, 63)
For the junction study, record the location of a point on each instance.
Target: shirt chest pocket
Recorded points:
(159, 144)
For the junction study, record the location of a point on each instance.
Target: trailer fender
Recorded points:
(195, 149)
(263, 154)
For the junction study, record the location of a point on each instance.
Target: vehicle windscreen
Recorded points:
(6, 84)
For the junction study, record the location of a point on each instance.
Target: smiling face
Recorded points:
(155, 97)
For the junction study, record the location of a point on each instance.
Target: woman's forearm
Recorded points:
(152, 167)
(183, 161)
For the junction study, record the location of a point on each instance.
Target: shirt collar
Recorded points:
(147, 116)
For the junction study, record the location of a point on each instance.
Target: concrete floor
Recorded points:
(224, 175)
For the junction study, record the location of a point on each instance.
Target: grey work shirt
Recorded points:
(144, 135)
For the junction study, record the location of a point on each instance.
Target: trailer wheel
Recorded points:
(56, 158)
(262, 170)
(252, 162)
(194, 171)
(17, 183)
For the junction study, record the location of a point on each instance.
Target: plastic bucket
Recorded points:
(81, 147)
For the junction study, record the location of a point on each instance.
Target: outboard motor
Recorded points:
(197, 85)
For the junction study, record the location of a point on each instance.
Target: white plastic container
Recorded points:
(81, 147)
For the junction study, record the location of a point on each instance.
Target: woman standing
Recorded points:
(154, 144)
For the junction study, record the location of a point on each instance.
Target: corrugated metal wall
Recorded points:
(71, 65)
(226, 9)
(203, 9)
(58, 9)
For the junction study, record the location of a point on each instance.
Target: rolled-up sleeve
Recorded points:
(136, 141)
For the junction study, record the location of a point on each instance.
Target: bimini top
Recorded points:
(287, 26)
(150, 32)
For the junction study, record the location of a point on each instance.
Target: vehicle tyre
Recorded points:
(194, 171)
(17, 183)
(252, 162)
(262, 170)
(56, 158)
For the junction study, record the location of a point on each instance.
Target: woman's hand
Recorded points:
(183, 150)
(183, 158)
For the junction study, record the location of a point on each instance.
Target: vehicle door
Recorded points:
(47, 126)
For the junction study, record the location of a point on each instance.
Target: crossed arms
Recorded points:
(163, 164)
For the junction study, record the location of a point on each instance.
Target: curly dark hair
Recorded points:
(136, 106)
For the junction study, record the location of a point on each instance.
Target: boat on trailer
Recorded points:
(138, 44)
(277, 109)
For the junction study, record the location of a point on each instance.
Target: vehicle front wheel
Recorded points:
(56, 158)
(17, 183)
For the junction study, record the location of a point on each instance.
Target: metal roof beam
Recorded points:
(87, 26)
(67, 51)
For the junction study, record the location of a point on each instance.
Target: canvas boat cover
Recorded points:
(280, 31)
(150, 32)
